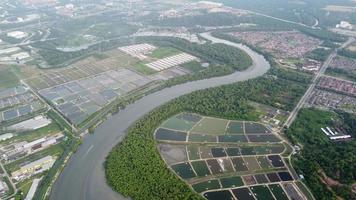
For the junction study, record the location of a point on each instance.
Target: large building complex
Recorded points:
(33, 168)
(171, 61)
(138, 50)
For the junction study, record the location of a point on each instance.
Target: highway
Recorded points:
(83, 178)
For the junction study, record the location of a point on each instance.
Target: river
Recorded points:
(83, 178)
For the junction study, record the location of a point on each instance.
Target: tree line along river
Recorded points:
(83, 178)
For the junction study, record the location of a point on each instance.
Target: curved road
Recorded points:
(84, 178)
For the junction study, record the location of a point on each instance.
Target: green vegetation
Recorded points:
(347, 53)
(58, 58)
(24, 186)
(206, 19)
(223, 59)
(193, 66)
(142, 68)
(290, 74)
(323, 34)
(136, 159)
(347, 74)
(164, 52)
(7, 78)
(319, 54)
(305, 190)
(214, 53)
(8, 183)
(330, 44)
(69, 146)
(59, 120)
(306, 12)
(320, 155)
(10, 40)
(33, 135)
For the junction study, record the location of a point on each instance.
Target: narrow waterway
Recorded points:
(84, 178)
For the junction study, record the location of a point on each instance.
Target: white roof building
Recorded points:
(32, 124)
(34, 167)
(33, 143)
(33, 189)
(344, 25)
(17, 34)
(6, 136)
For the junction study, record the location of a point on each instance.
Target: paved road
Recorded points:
(294, 113)
(84, 179)
(10, 180)
(284, 20)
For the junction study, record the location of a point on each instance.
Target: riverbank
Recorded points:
(84, 177)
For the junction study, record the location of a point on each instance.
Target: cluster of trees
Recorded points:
(319, 54)
(136, 159)
(348, 74)
(323, 34)
(58, 58)
(319, 154)
(69, 146)
(204, 19)
(223, 59)
(347, 53)
(213, 53)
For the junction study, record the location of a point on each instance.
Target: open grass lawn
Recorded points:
(25, 185)
(141, 68)
(164, 52)
(193, 152)
(193, 66)
(178, 124)
(7, 78)
(235, 128)
(211, 126)
(33, 135)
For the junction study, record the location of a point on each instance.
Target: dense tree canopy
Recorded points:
(336, 159)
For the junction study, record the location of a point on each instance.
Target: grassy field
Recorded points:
(7, 78)
(194, 66)
(211, 126)
(33, 135)
(25, 186)
(141, 68)
(178, 124)
(164, 52)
